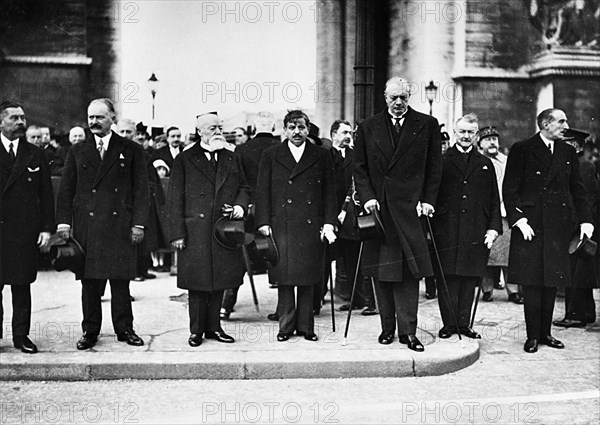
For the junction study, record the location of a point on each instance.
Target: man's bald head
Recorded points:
(76, 135)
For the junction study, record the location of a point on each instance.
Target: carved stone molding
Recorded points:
(580, 62)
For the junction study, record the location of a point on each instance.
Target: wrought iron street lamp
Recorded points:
(430, 92)
(153, 86)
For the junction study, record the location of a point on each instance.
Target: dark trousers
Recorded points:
(204, 308)
(539, 306)
(430, 285)
(580, 304)
(363, 295)
(398, 302)
(229, 299)
(462, 293)
(21, 304)
(120, 305)
(295, 312)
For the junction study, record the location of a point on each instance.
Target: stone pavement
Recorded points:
(161, 319)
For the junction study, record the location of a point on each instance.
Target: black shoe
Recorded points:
(138, 279)
(195, 340)
(469, 333)
(311, 337)
(130, 337)
(515, 298)
(487, 296)
(316, 311)
(219, 336)
(531, 346)
(569, 323)
(149, 276)
(446, 332)
(346, 307)
(550, 341)
(273, 316)
(386, 338)
(429, 296)
(283, 336)
(224, 314)
(369, 311)
(412, 342)
(25, 344)
(131, 299)
(87, 340)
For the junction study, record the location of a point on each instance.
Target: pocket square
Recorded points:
(121, 156)
(485, 167)
(33, 170)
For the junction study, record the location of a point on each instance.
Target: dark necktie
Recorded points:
(549, 148)
(213, 159)
(11, 151)
(397, 125)
(465, 157)
(101, 148)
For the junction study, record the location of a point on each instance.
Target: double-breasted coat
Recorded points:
(398, 177)
(296, 200)
(468, 204)
(196, 194)
(26, 209)
(547, 189)
(102, 199)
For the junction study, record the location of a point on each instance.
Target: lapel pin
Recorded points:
(121, 156)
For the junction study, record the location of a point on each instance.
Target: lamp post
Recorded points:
(430, 92)
(153, 86)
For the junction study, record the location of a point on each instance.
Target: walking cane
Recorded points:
(447, 292)
(327, 277)
(375, 294)
(360, 250)
(250, 276)
(478, 294)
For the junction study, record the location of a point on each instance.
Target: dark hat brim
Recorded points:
(370, 226)
(231, 234)
(583, 248)
(68, 255)
(263, 250)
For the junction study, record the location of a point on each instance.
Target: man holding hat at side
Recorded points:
(489, 142)
(205, 179)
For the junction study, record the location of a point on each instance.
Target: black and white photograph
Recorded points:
(299, 212)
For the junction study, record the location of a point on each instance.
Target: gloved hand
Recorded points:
(64, 232)
(423, 208)
(328, 233)
(178, 244)
(587, 229)
(42, 241)
(341, 216)
(137, 235)
(371, 205)
(237, 213)
(264, 230)
(525, 229)
(490, 237)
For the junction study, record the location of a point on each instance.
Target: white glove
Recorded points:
(238, 212)
(423, 208)
(525, 229)
(265, 230)
(328, 233)
(490, 237)
(371, 205)
(586, 229)
(341, 216)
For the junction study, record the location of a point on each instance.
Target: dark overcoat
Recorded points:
(343, 168)
(398, 178)
(468, 204)
(547, 189)
(296, 200)
(102, 200)
(251, 151)
(26, 209)
(196, 194)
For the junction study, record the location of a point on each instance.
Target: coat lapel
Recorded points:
(309, 157)
(285, 157)
(24, 155)
(561, 152)
(475, 162)
(455, 157)
(541, 151)
(115, 147)
(411, 128)
(224, 163)
(202, 163)
(383, 136)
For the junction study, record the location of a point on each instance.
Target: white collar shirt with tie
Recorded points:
(6, 143)
(394, 118)
(105, 142)
(461, 150)
(549, 143)
(174, 151)
(341, 150)
(297, 151)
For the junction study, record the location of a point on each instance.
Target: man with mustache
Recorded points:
(103, 200)
(26, 218)
(206, 177)
(173, 148)
(542, 187)
(397, 170)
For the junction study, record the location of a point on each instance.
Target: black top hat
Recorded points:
(263, 250)
(67, 255)
(231, 234)
(140, 127)
(157, 131)
(576, 135)
(583, 248)
(370, 226)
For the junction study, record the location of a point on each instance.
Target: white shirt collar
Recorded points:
(547, 141)
(461, 150)
(105, 140)
(297, 151)
(341, 150)
(174, 151)
(6, 142)
(394, 118)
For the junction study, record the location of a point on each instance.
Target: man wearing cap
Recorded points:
(26, 218)
(295, 202)
(542, 190)
(580, 307)
(250, 153)
(397, 170)
(173, 148)
(466, 224)
(489, 143)
(205, 180)
(103, 201)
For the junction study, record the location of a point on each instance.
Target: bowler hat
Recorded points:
(67, 254)
(263, 250)
(488, 132)
(370, 226)
(231, 234)
(583, 248)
